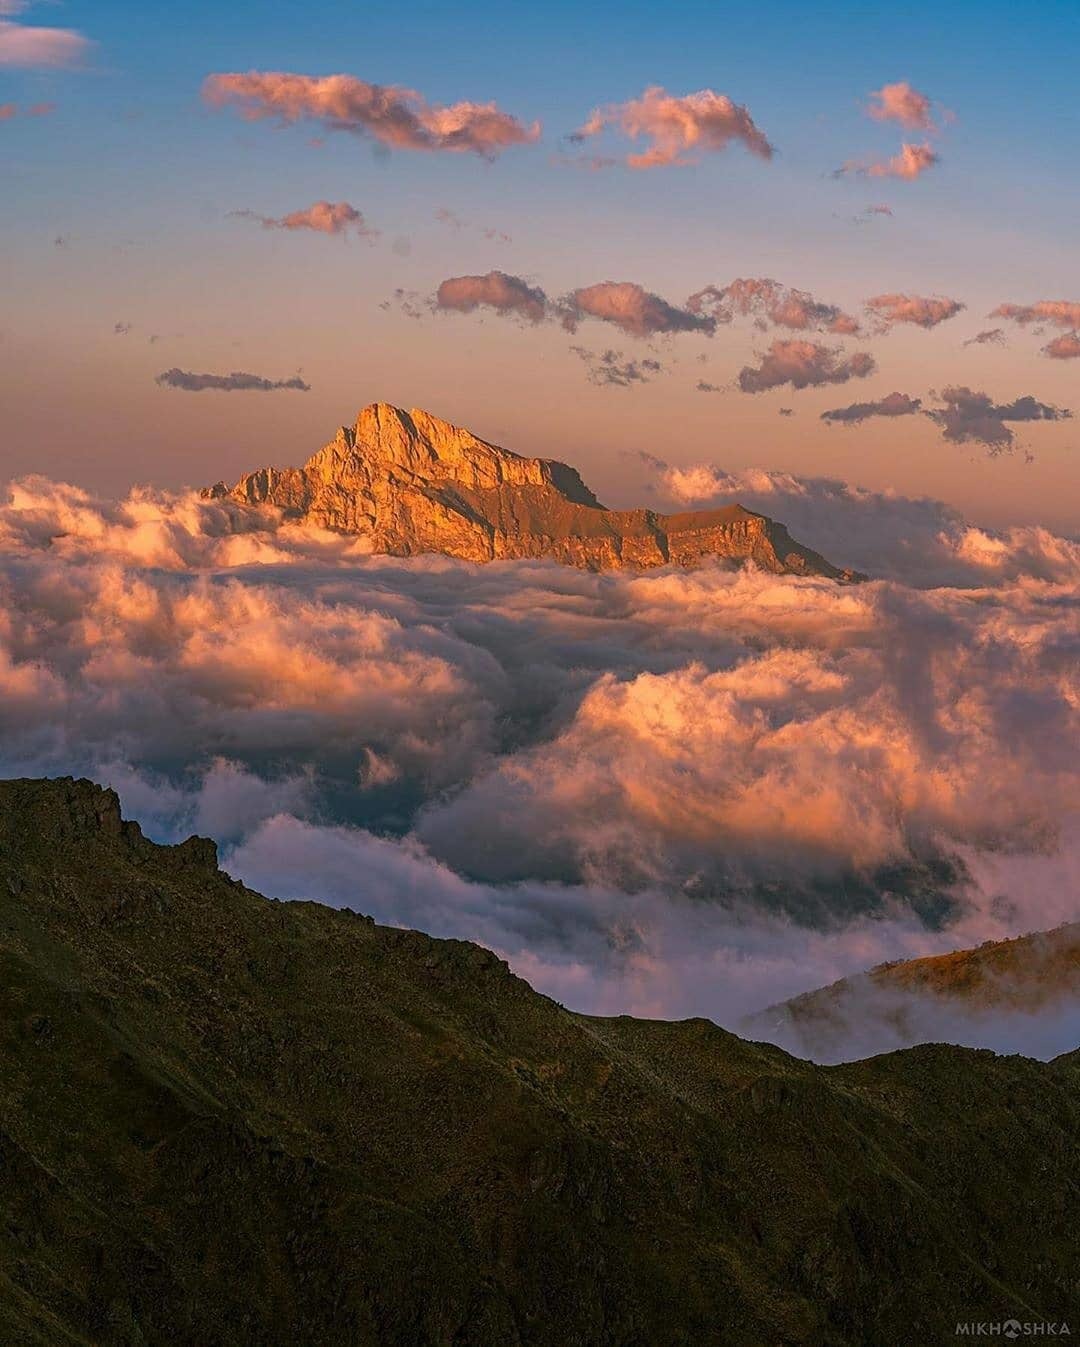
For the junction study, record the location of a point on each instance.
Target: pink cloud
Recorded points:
(922, 312)
(901, 103)
(35, 48)
(804, 364)
(507, 295)
(323, 217)
(1060, 312)
(1065, 347)
(769, 300)
(633, 309)
(7, 111)
(969, 416)
(907, 165)
(676, 128)
(394, 116)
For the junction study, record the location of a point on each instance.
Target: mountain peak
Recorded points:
(414, 483)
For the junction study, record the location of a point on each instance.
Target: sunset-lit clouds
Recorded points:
(1059, 312)
(1065, 347)
(901, 103)
(893, 404)
(804, 364)
(908, 164)
(322, 217)
(771, 302)
(633, 309)
(677, 129)
(505, 294)
(9, 111)
(28, 48)
(624, 304)
(394, 116)
(889, 310)
(237, 382)
(970, 416)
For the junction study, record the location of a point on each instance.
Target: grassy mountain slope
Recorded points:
(229, 1120)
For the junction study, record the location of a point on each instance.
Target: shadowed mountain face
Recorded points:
(229, 1120)
(413, 483)
(1022, 981)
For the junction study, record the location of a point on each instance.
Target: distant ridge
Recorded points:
(414, 483)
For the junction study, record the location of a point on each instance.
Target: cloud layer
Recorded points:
(669, 793)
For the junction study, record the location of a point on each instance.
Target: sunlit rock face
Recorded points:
(413, 483)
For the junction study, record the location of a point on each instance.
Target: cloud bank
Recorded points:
(668, 793)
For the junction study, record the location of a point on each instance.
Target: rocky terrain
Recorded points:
(413, 483)
(1033, 975)
(227, 1120)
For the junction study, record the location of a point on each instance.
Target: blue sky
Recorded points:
(138, 177)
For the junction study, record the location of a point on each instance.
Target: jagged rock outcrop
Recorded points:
(413, 483)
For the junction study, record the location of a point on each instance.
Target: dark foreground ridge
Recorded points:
(225, 1120)
(411, 483)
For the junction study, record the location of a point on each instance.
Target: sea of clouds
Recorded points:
(662, 793)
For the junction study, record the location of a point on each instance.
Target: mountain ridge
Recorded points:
(225, 1119)
(413, 483)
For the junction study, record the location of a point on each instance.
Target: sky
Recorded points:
(156, 216)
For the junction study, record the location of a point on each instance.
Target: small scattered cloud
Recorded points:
(633, 309)
(804, 364)
(1057, 312)
(786, 411)
(9, 111)
(25, 48)
(121, 329)
(497, 290)
(773, 303)
(889, 310)
(453, 220)
(992, 336)
(703, 386)
(973, 417)
(321, 217)
(677, 129)
(608, 368)
(1065, 347)
(408, 301)
(394, 117)
(893, 404)
(237, 382)
(901, 103)
(911, 161)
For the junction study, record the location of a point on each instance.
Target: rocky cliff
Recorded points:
(413, 483)
(225, 1120)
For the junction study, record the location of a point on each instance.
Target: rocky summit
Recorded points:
(413, 483)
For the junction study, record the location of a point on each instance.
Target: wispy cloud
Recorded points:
(394, 116)
(1058, 312)
(773, 303)
(236, 382)
(991, 336)
(893, 404)
(27, 48)
(901, 103)
(677, 129)
(908, 164)
(322, 217)
(609, 368)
